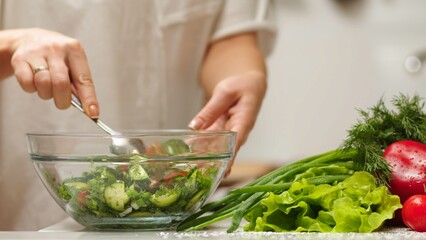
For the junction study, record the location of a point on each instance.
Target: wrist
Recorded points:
(8, 43)
(260, 79)
(9, 40)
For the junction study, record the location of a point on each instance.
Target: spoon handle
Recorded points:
(77, 104)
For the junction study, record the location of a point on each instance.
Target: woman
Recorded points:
(147, 60)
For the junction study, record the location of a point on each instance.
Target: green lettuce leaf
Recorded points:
(354, 205)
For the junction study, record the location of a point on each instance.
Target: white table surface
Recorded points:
(69, 229)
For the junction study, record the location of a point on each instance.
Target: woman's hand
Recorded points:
(53, 65)
(233, 76)
(234, 105)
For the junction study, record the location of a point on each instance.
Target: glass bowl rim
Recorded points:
(136, 133)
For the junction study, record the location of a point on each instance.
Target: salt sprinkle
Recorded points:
(385, 234)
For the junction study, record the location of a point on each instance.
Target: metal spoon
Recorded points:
(120, 145)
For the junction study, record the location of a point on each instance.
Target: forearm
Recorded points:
(7, 38)
(232, 56)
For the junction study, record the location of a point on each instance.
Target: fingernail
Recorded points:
(93, 112)
(195, 124)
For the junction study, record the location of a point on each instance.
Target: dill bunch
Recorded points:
(379, 126)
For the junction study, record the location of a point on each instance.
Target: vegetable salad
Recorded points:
(139, 188)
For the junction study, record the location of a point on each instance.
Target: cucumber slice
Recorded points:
(136, 172)
(137, 158)
(165, 199)
(174, 147)
(115, 196)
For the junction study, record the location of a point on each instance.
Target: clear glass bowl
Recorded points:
(153, 190)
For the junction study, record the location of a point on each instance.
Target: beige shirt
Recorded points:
(144, 58)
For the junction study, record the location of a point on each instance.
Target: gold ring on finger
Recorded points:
(41, 68)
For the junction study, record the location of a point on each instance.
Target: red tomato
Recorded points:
(154, 150)
(123, 168)
(81, 198)
(408, 161)
(170, 176)
(150, 151)
(414, 213)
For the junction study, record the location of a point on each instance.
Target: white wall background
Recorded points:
(332, 56)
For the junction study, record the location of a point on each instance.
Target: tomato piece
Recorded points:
(81, 198)
(408, 161)
(154, 150)
(123, 168)
(414, 213)
(171, 175)
(149, 151)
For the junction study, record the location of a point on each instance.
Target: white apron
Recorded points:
(144, 57)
